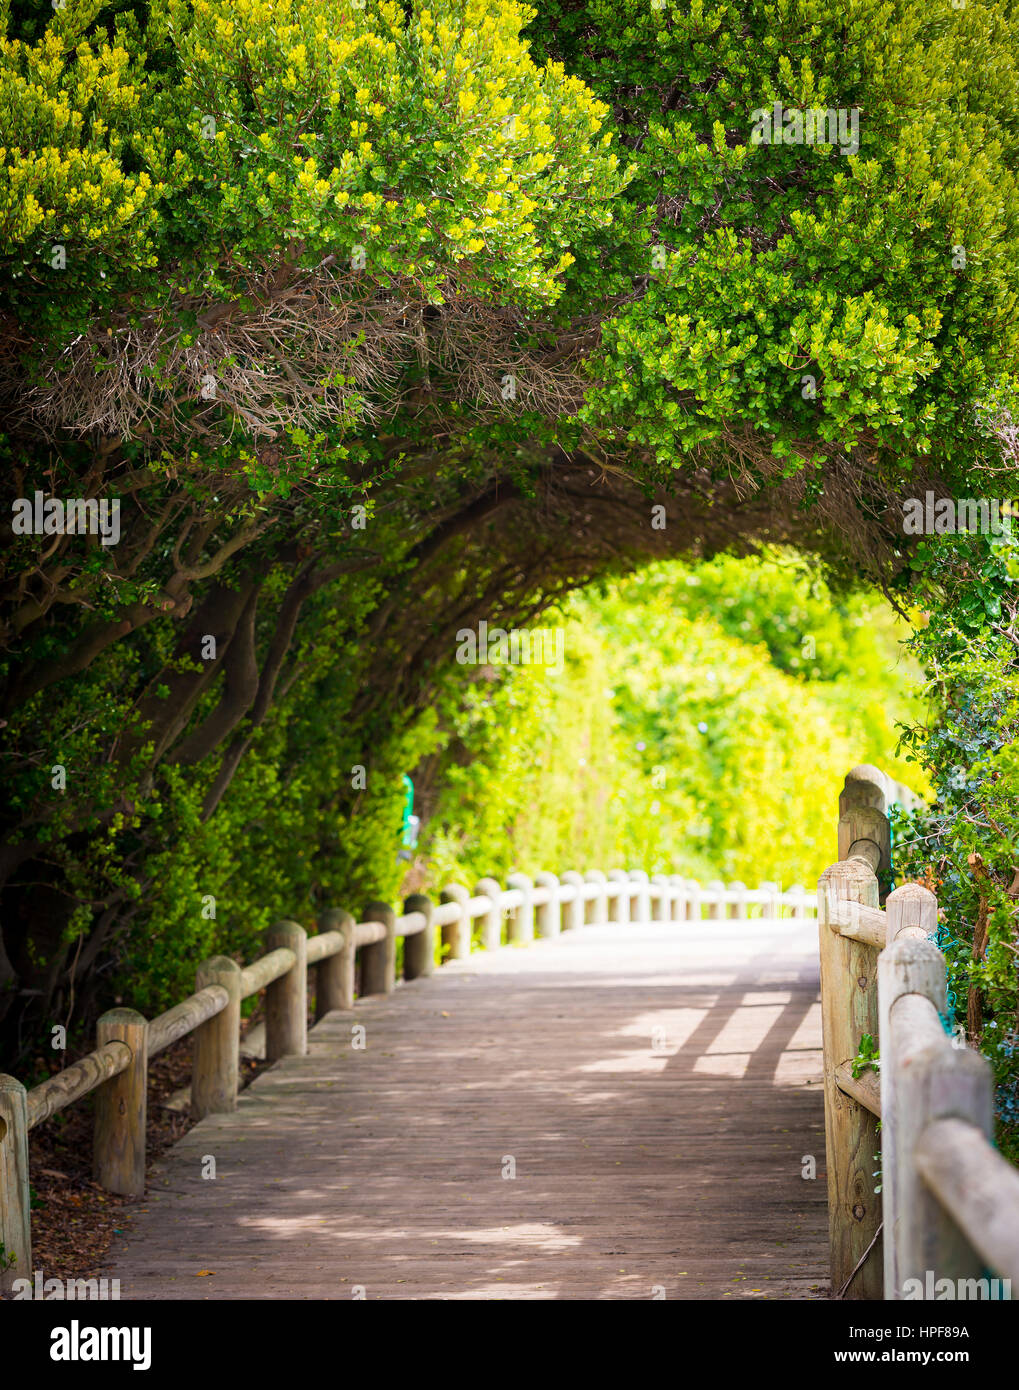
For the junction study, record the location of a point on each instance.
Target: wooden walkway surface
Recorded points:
(656, 1087)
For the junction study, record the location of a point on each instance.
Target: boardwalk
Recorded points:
(655, 1087)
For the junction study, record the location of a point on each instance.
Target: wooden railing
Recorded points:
(950, 1202)
(118, 1068)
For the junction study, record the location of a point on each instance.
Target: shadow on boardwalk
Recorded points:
(655, 1086)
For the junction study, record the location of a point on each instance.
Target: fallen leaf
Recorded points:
(202, 1272)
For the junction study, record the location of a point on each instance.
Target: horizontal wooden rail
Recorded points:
(369, 933)
(866, 1088)
(976, 1186)
(265, 970)
(448, 913)
(76, 1081)
(324, 945)
(185, 1017)
(858, 922)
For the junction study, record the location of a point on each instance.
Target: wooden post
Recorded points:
(923, 1079)
(573, 917)
(522, 918)
(119, 1138)
(491, 922)
(15, 1212)
(941, 1082)
(864, 830)
(619, 906)
(215, 1069)
(642, 902)
(378, 958)
(679, 898)
(693, 900)
(906, 966)
(660, 902)
(848, 1010)
(911, 910)
(334, 979)
(286, 999)
(598, 907)
(798, 906)
(738, 907)
(456, 936)
(713, 892)
(419, 949)
(548, 920)
(770, 907)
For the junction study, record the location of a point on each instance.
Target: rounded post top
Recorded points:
(913, 950)
(286, 929)
(907, 892)
(219, 965)
(120, 1016)
(455, 893)
(594, 876)
(847, 872)
(519, 881)
(334, 919)
(546, 879)
(10, 1085)
(419, 902)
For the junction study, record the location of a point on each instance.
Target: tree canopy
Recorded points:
(381, 318)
